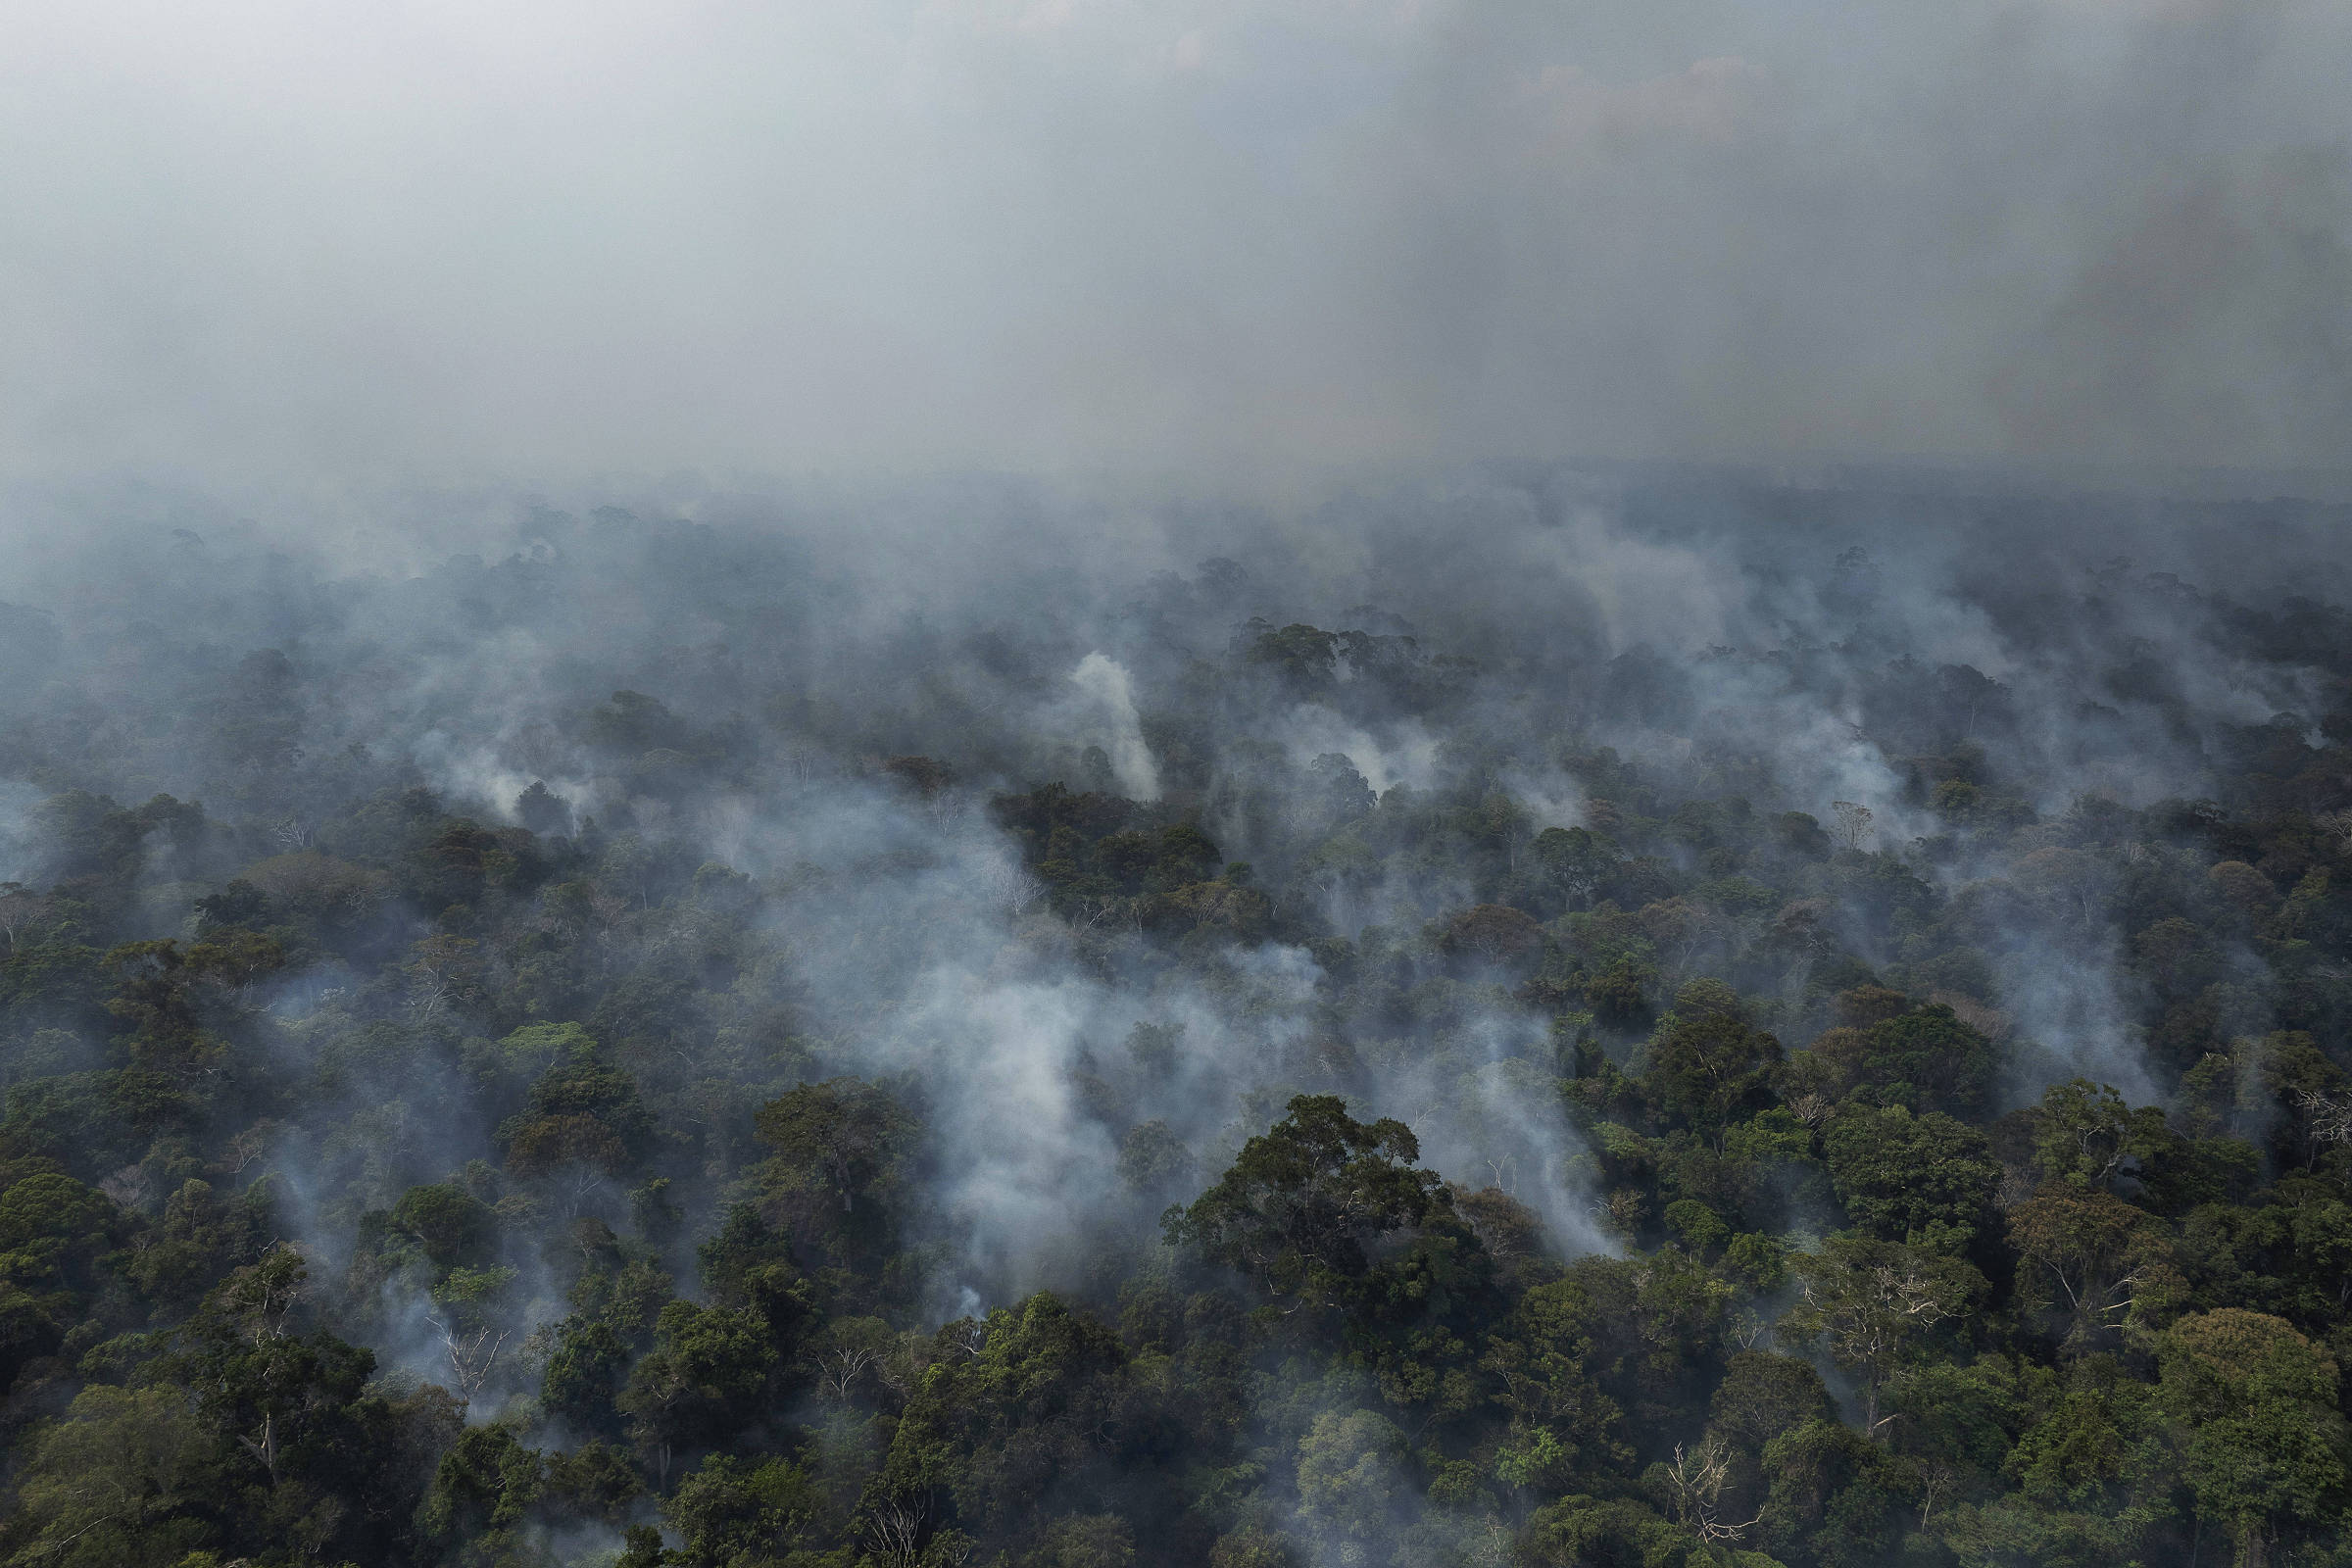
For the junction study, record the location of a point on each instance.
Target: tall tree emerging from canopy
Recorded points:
(840, 1171)
(843, 1138)
(1302, 1207)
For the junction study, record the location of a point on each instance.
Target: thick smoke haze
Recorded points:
(289, 244)
(1224, 784)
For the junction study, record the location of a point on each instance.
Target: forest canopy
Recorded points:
(1659, 1018)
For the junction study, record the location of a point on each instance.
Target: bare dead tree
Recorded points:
(1810, 1108)
(472, 1355)
(895, 1533)
(20, 908)
(429, 994)
(442, 975)
(1011, 888)
(1937, 1478)
(127, 1187)
(1853, 824)
(1696, 1482)
(1800, 925)
(2330, 1115)
(581, 1181)
(899, 1536)
(1868, 1314)
(261, 1444)
(903, 1367)
(2337, 825)
(360, 896)
(246, 1148)
(838, 1368)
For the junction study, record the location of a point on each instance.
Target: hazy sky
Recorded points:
(270, 240)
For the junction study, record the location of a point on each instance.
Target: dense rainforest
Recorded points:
(1554, 1019)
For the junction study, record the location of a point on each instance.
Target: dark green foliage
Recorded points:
(732, 1512)
(1563, 1153)
(1926, 1180)
(582, 1111)
(1306, 1199)
(446, 1223)
(585, 1375)
(1707, 1063)
(708, 1375)
(1034, 1402)
(1927, 1058)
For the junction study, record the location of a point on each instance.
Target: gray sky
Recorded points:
(273, 240)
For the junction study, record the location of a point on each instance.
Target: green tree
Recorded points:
(1760, 1397)
(1031, 1402)
(1299, 1207)
(581, 1113)
(199, 1238)
(1154, 1161)
(1927, 1181)
(735, 1512)
(1870, 1303)
(131, 1479)
(483, 1493)
(585, 1374)
(1084, 1540)
(53, 1230)
(706, 1378)
(2085, 1134)
(279, 1395)
(1925, 1058)
(836, 1144)
(1350, 1472)
(2265, 1443)
(155, 994)
(2092, 1473)
(1708, 1062)
(2099, 1260)
(445, 1222)
(1541, 1364)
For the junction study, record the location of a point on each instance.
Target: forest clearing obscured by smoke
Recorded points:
(691, 1019)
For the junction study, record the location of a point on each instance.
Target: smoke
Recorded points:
(21, 848)
(621, 514)
(1224, 236)
(1109, 716)
(1405, 755)
(778, 733)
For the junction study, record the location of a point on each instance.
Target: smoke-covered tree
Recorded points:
(1303, 1208)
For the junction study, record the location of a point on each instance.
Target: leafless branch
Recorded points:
(471, 1357)
(1697, 1482)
